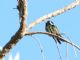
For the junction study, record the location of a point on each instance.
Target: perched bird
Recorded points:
(50, 27)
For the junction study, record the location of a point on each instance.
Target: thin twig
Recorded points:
(40, 46)
(58, 52)
(75, 54)
(62, 39)
(67, 55)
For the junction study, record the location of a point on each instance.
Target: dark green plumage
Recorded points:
(50, 27)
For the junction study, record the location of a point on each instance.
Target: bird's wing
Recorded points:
(56, 29)
(48, 28)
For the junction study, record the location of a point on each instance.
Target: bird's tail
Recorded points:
(57, 39)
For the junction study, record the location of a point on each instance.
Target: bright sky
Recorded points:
(28, 48)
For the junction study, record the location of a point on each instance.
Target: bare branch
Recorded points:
(62, 39)
(58, 12)
(20, 33)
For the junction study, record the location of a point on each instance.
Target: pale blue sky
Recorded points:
(28, 48)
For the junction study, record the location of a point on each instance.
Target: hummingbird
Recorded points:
(50, 27)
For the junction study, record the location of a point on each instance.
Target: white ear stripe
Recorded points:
(51, 23)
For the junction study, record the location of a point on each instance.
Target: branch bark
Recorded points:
(20, 33)
(53, 14)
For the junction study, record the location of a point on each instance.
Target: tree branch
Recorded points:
(58, 12)
(62, 39)
(20, 33)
